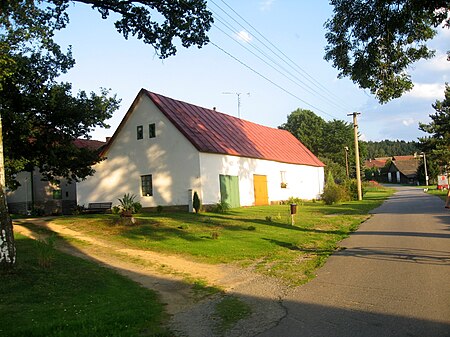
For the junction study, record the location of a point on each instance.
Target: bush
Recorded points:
(159, 209)
(351, 187)
(128, 206)
(221, 207)
(334, 193)
(196, 203)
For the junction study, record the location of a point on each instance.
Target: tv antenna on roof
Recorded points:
(238, 94)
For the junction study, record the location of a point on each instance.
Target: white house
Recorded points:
(165, 149)
(35, 194)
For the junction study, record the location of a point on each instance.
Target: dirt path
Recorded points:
(191, 311)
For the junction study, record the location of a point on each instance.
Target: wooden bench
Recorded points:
(98, 207)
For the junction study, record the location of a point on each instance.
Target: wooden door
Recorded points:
(229, 190)
(261, 192)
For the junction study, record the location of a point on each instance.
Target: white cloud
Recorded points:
(438, 63)
(266, 5)
(427, 91)
(244, 36)
(408, 121)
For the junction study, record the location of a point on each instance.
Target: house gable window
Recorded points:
(151, 130)
(140, 132)
(147, 185)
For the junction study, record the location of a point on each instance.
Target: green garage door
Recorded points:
(229, 190)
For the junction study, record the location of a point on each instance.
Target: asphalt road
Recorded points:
(392, 278)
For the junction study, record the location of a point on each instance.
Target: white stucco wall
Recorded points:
(170, 158)
(305, 182)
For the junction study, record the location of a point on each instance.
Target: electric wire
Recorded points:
(294, 79)
(270, 81)
(292, 64)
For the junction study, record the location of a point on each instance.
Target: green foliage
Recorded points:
(307, 127)
(390, 148)
(128, 205)
(374, 42)
(437, 145)
(221, 207)
(196, 203)
(333, 194)
(115, 210)
(251, 228)
(159, 209)
(351, 189)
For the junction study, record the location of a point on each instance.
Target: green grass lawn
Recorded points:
(73, 297)
(261, 237)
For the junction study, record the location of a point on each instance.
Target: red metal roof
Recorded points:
(214, 132)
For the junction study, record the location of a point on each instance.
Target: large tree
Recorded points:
(41, 117)
(306, 126)
(373, 42)
(437, 145)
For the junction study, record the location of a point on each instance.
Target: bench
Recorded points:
(98, 207)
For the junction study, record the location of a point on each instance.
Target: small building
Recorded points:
(403, 170)
(164, 150)
(35, 194)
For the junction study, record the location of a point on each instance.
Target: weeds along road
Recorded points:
(392, 277)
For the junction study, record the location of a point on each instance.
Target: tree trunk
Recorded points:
(7, 246)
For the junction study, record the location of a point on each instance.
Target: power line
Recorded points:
(297, 81)
(269, 80)
(291, 64)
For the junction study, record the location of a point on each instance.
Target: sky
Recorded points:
(268, 92)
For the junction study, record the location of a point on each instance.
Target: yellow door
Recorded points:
(261, 193)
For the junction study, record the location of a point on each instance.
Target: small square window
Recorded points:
(151, 131)
(140, 132)
(147, 185)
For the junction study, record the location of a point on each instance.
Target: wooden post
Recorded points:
(358, 173)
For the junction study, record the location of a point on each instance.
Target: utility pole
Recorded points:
(238, 94)
(425, 166)
(358, 173)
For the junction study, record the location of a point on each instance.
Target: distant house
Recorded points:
(37, 194)
(164, 150)
(403, 170)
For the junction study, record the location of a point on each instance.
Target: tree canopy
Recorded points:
(41, 117)
(326, 139)
(438, 143)
(373, 42)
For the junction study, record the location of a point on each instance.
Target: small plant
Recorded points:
(278, 217)
(196, 203)
(221, 207)
(159, 209)
(268, 218)
(215, 235)
(251, 228)
(128, 206)
(46, 251)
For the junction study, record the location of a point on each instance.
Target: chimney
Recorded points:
(214, 108)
